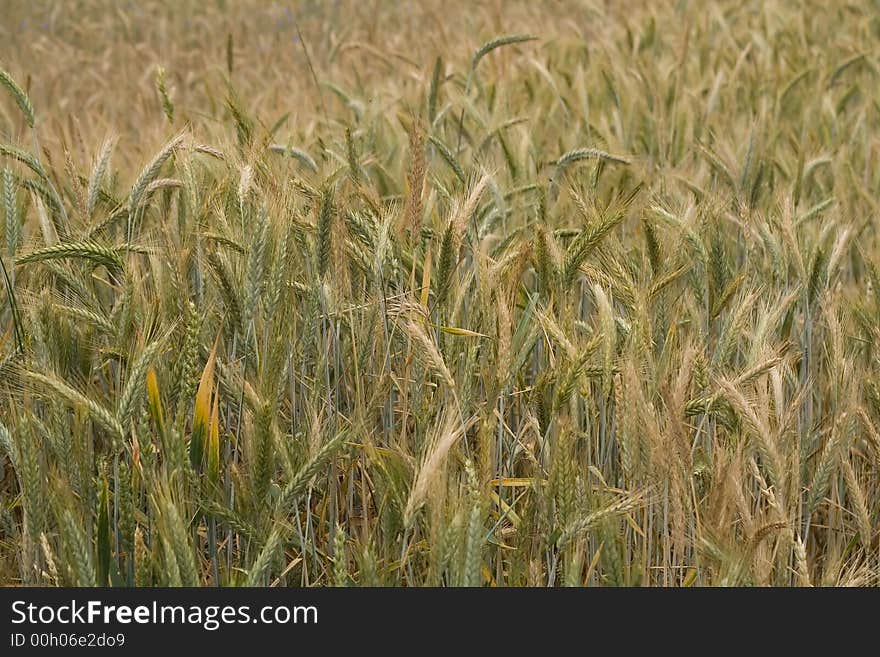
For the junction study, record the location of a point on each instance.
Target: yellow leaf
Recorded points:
(214, 441)
(202, 410)
(155, 401)
(506, 509)
(635, 527)
(454, 330)
(426, 279)
(487, 576)
(513, 482)
(594, 562)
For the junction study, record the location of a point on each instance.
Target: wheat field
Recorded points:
(370, 294)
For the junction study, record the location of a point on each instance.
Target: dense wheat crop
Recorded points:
(567, 293)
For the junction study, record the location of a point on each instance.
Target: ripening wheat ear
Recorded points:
(481, 52)
(103, 417)
(412, 215)
(260, 568)
(303, 477)
(324, 235)
(136, 376)
(179, 557)
(147, 176)
(623, 505)
(585, 243)
(448, 431)
(475, 534)
(429, 351)
(465, 210)
(99, 170)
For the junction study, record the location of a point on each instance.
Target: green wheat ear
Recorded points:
(167, 105)
(489, 46)
(20, 97)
